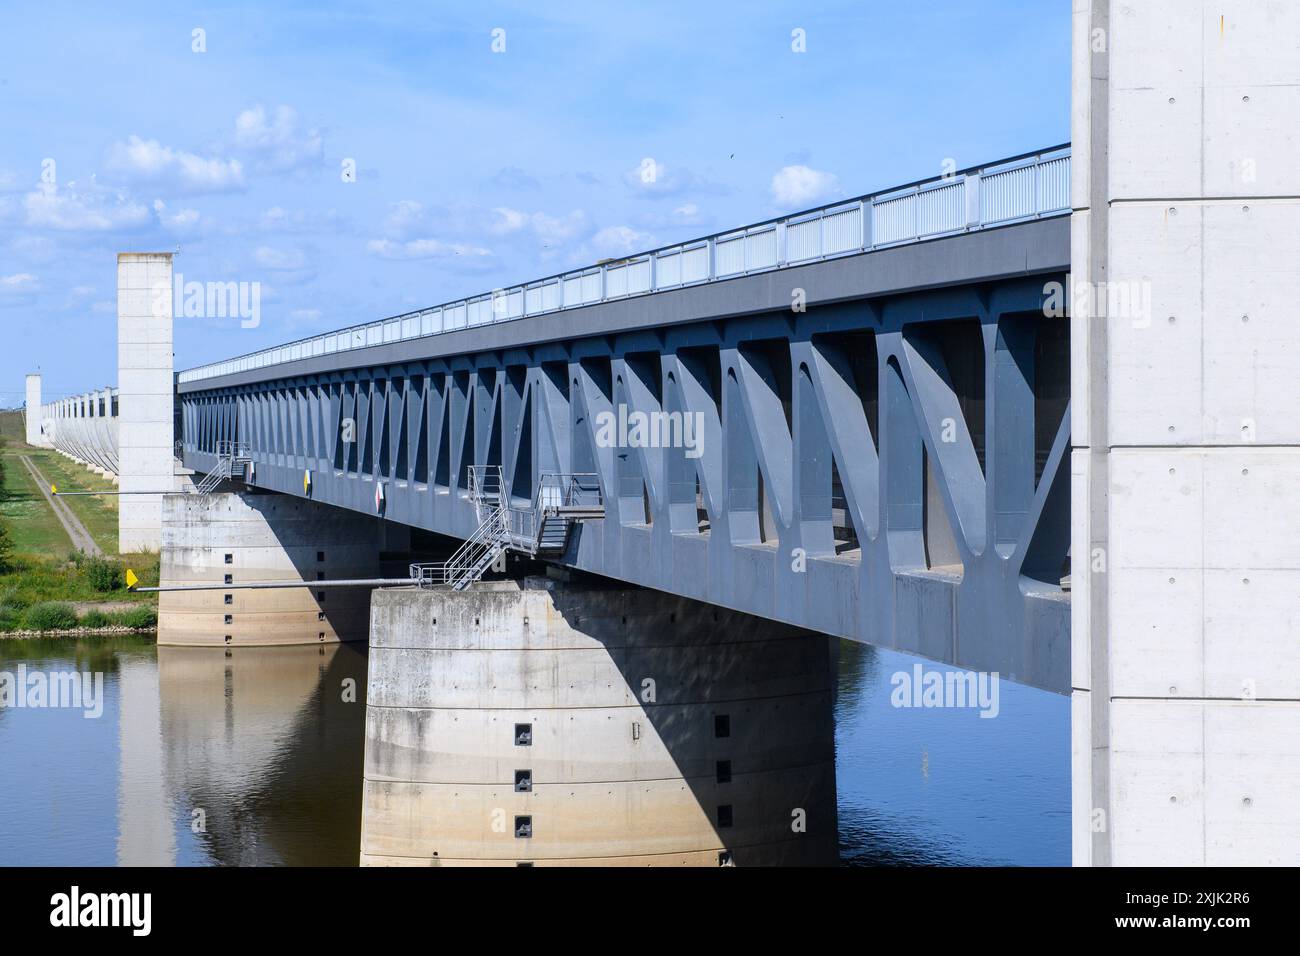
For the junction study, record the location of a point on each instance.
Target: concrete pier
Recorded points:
(1186, 536)
(244, 537)
(543, 723)
(146, 394)
(34, 412)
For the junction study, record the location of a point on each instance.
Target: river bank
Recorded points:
(81, 632)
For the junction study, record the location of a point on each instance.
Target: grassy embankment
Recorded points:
(44, 584)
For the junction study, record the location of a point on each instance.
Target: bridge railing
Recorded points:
(1029, 186)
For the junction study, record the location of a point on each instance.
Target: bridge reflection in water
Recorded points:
(262, 741)
(267, 743)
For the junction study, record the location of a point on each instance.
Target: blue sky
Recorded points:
(475, 168)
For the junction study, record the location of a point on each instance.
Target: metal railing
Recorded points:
(1030, 186)
(562, 497)
(477, 554)
(577, 490)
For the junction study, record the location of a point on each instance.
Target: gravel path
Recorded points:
(81, 539)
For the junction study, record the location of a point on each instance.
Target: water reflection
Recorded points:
(263, 746)
(264, 743)
(943, 786)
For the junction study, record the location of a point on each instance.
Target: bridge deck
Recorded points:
(889, 465)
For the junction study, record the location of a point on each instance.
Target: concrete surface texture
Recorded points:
(544, 723)
(33, 409)
(1186, 534)
(146, 385)
(249, 537)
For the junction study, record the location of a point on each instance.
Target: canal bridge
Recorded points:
(875, 401)
(1032, 417)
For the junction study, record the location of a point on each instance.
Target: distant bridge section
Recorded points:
(853, 419)
(83, 427)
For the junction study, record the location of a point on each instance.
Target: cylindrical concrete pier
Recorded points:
(544, 723)
(248, 537)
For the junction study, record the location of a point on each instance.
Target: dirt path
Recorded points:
(81, 539)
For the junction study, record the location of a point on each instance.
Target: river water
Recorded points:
(204, 757)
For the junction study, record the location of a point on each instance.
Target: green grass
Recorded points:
(43, 569)
(32, 524)
(99, 515)
(33, 579)
(60, 616)
(13, 427)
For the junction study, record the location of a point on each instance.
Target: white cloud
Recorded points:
(552, 230)
(182, 221)
(650, 178)
(74, 209)
(275, 140)
(148, 161)
(18, 290)
(620, 241)
(802, 186)
(508, 220)
(548, 230)
(423, 249)
(279, 219)
(281, 260)
(405, 219)
(18, 282)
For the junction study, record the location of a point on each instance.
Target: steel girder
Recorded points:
(892, 470)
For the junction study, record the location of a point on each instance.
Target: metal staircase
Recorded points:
(542, 529)
(229, 454)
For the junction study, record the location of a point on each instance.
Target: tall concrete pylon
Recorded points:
(146, 395)
(1186, 534)
(35, 412)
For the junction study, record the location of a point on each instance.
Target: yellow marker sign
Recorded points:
(54, 489)
(131, 580)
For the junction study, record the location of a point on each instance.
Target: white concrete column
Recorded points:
(146, 389)
(1187, 444)
(35, 411)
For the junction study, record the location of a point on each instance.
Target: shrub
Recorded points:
(104, 574)
(139, 617)
(6, 547)
(50, 616)
(96, 619)
(14, 599)
(11, 618)
(146, 567)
